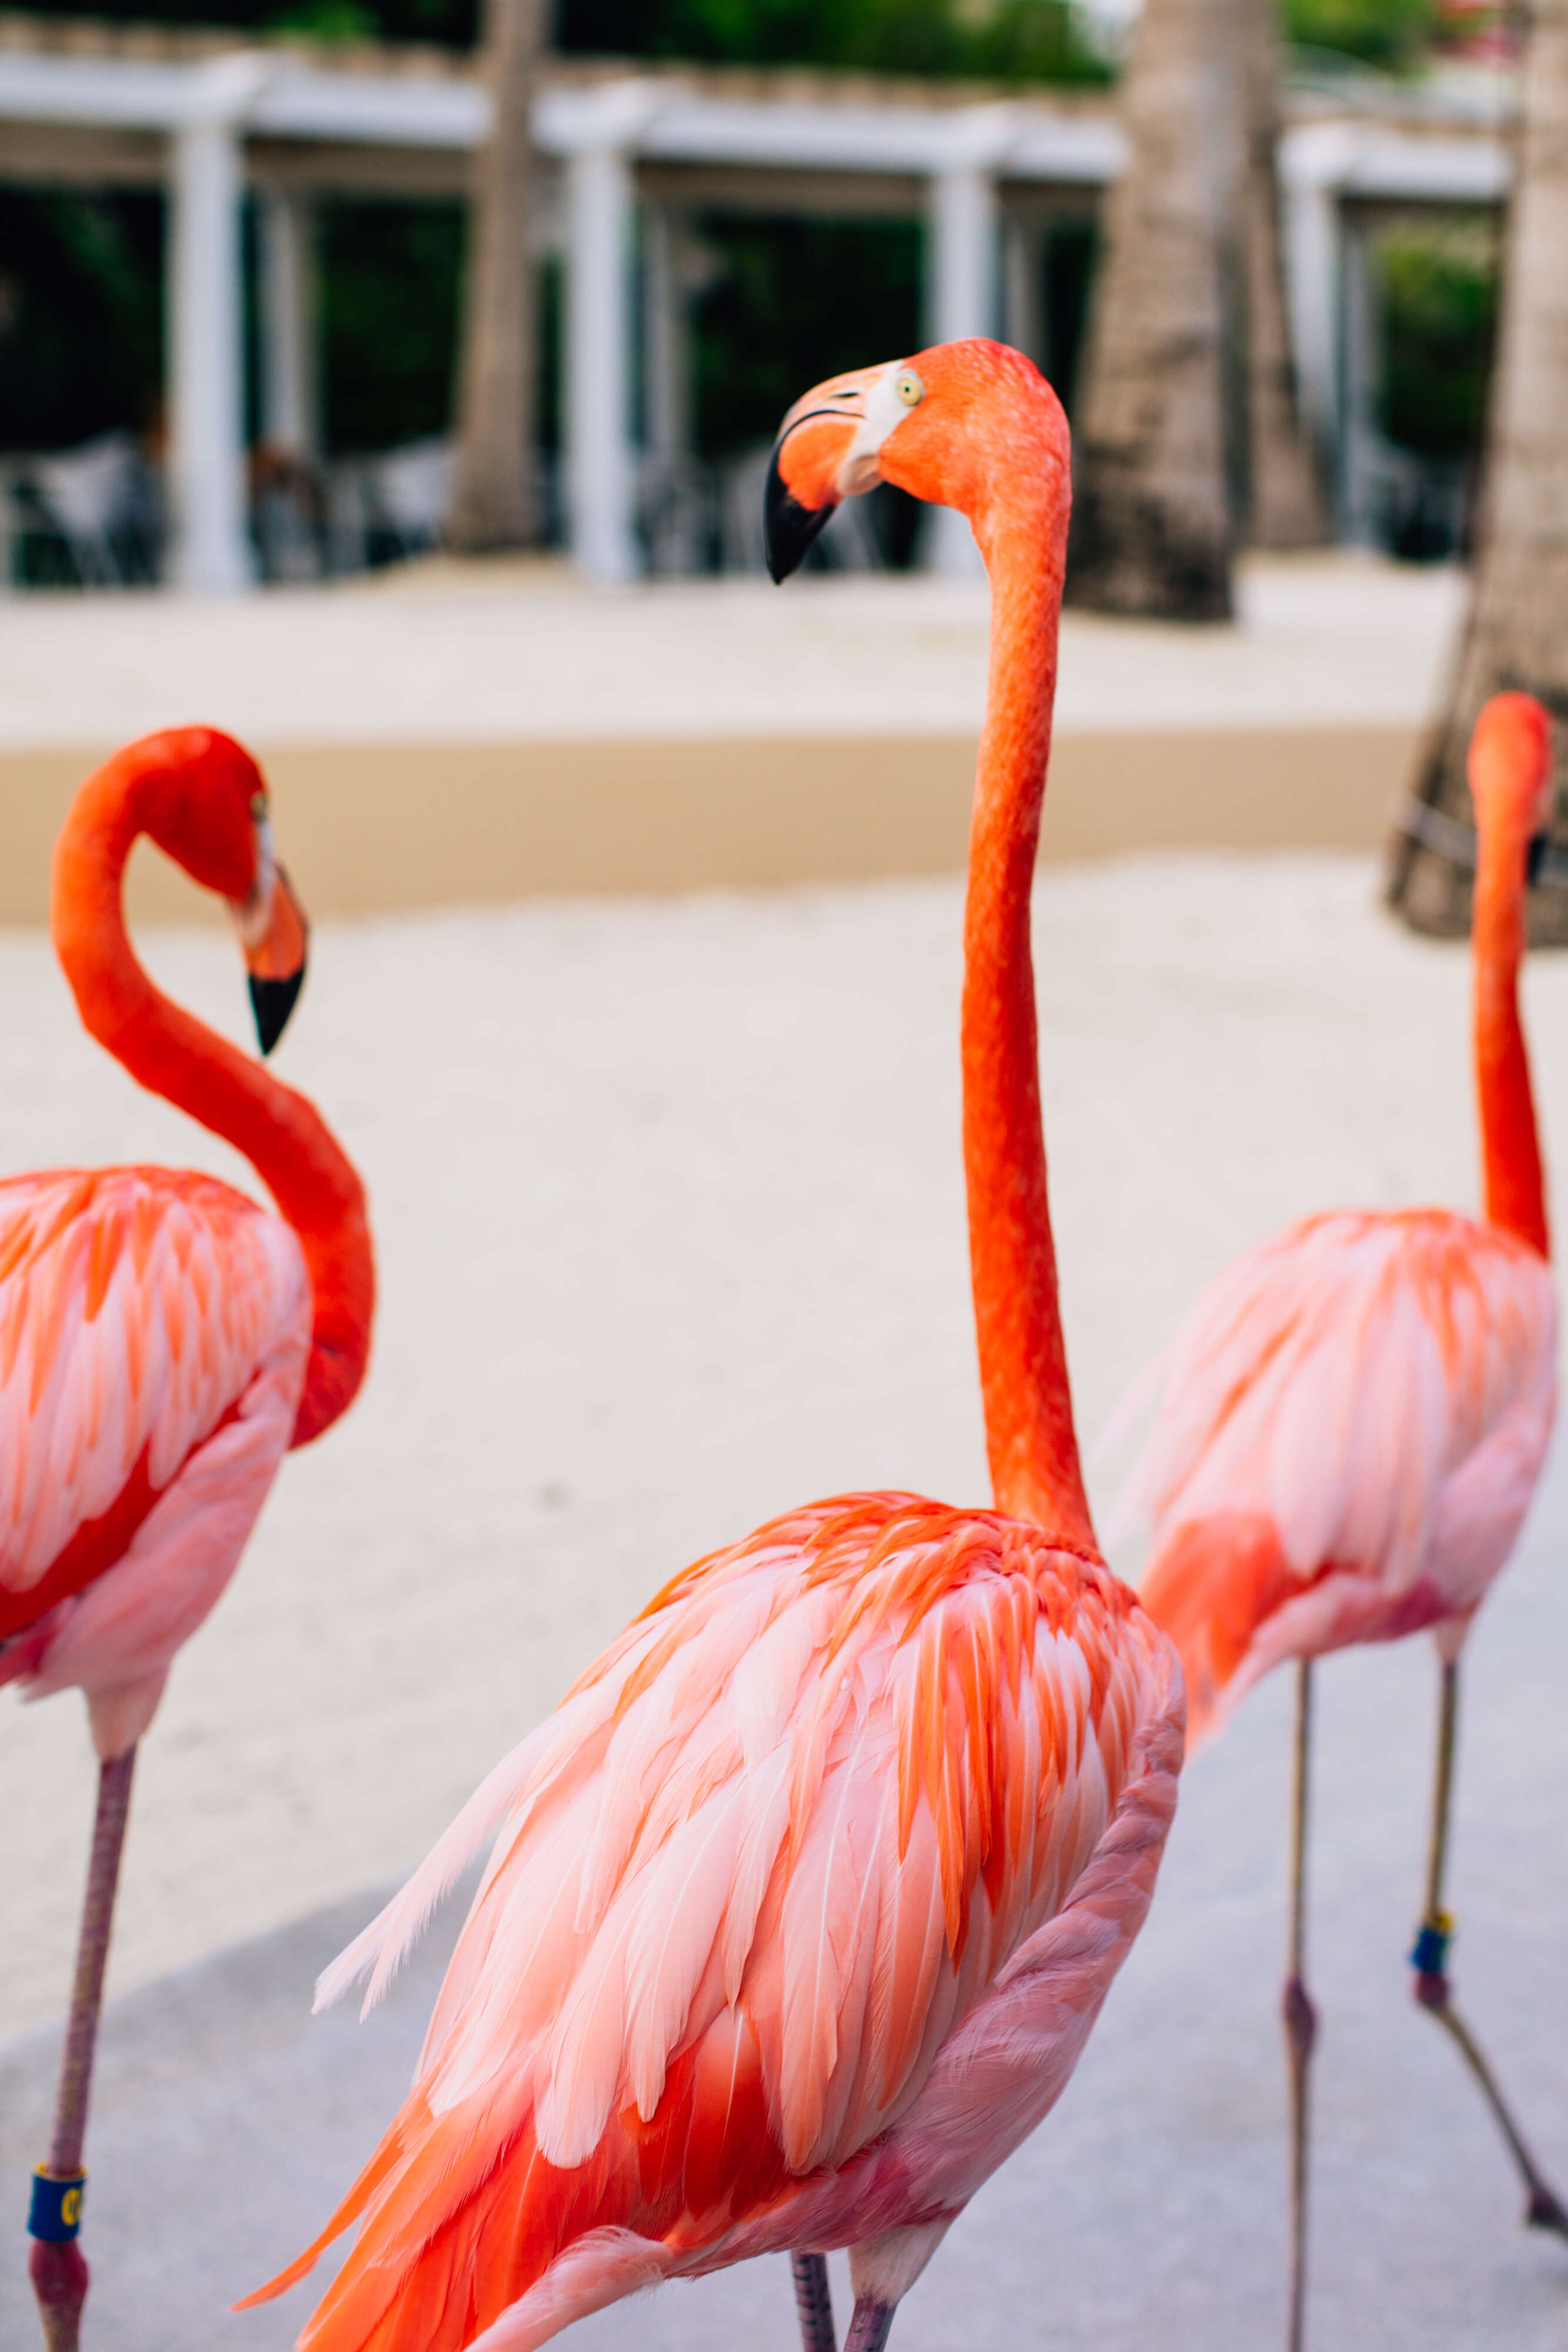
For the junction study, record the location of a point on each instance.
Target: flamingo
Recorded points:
(164, 1341)
(1351, 1424)
(804, 1901)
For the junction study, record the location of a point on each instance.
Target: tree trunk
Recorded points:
(1152, 503)
(1514, 635)
(494, 504)
(1285, 495)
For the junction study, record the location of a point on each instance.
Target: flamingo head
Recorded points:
(972, 425)
(1510, 769)
(209, 809)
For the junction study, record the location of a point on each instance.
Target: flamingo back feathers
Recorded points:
(778, 1843)
(1348, 1430)
(137, 1308)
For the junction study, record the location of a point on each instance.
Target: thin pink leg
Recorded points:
(56, 2265)
(814, 2302)
(870, 2326)
(1544, 2209)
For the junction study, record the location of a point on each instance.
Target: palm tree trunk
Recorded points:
(1514, 635)
(1285, 495)
(1152, 529)
(494, 502)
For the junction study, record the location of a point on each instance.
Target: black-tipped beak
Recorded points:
(788, 527)
(272, 1001)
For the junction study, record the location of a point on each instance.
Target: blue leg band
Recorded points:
(55, 2215)
(1432, 1941)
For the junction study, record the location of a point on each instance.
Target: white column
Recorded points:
(211, 551)
(1363, 367)
(1315, 161)
(961, 300)
(666, 372)
(601, 477)
(289, 414)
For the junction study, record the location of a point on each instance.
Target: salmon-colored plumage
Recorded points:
(1354, 1417)
(1352, 1425)
(164, 1341)
(802, 1905)
(161, 1338)
(810, 1818)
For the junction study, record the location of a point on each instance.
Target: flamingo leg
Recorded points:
(814, 2302)
(1300, 2017)
(56, 2265)
(869, 2327)
(1544, 2209)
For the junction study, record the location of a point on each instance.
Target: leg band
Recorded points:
(56, 2213)
(1433, 1938)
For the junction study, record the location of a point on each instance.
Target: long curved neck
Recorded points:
(167, 1051)
(1510, 1146)
(1030, 1436)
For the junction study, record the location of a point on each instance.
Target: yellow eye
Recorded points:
(909, 388)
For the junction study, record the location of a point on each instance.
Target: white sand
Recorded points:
(483, 652)
(668, 1204)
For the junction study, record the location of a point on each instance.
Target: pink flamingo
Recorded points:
(1351, 1424)
(164, 1341)
(804, 1901)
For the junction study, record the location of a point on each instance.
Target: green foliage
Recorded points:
(1004, 40)
(1011, 40)
(328, 20)
(797, 300)
(1393, 34)
(390, 278)
(80, 316)
(1439, 292)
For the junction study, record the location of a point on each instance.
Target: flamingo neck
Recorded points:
(1510, 1146)
(1030, 1436)
(171, 1054)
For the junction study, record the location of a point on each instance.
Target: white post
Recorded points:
(1315, 161)
(211, 549)
(1360, 438)
(961, 299)
(601, 479)
(666, 376)
(288, 388)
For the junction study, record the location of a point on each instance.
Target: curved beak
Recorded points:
(818, 459)
(274, 936)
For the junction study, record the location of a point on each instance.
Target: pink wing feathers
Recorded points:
(153, 1333)
(768, 1856)
(1349, 1430)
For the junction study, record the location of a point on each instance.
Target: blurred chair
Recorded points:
(96, 503)
(384, 508)
(677, 514)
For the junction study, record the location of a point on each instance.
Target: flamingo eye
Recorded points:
(258, 807)
(909, 388)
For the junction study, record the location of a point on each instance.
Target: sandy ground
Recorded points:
(476, 652)
(669, 1207)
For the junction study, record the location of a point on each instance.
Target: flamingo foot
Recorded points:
(814, 2302)
(1544, 2209)
(869, 2327)
(58, 2270)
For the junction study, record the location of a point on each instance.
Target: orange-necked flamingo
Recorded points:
(1351, 1424)
(164, 1341)
(803, 1902)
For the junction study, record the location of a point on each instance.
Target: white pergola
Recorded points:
(281, 123)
